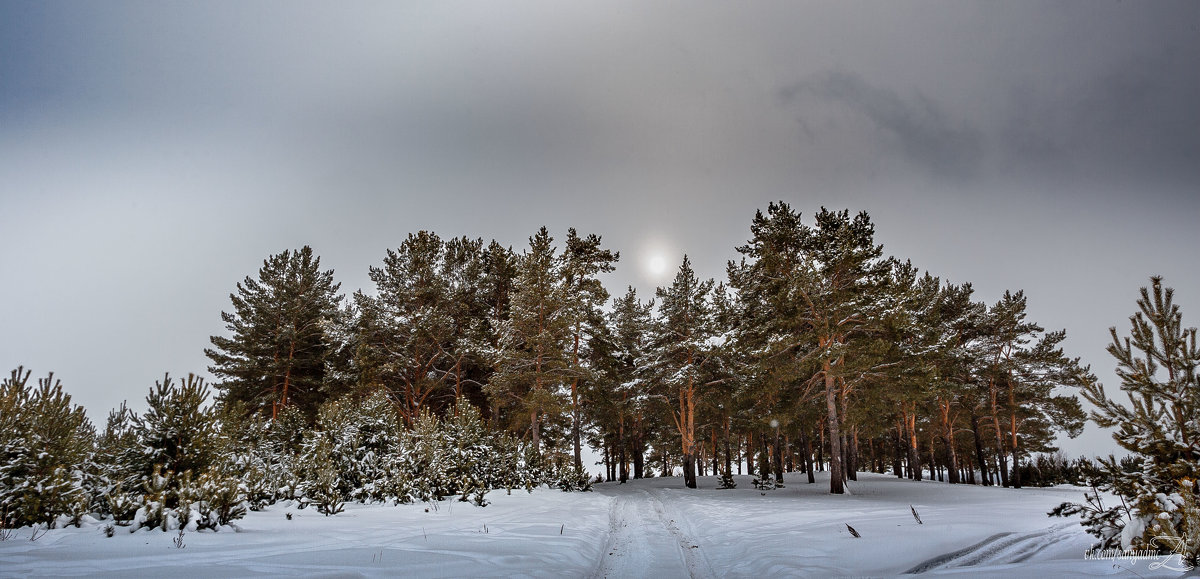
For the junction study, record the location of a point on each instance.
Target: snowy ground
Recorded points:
(647, 528)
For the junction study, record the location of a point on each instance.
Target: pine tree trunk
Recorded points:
(764, 458)
(983, 469)
(897, 461)
(687, 426)
(621, 448)
(738, 451)
(1003, 458)
(808, 458)
(728, 454)
(575, 407)
(948, 440)
(787, 452)
(934, 463)
(533, 425)
(1000, 454)
(458, 395)
(821, 447)
(575, 431)
(689, 471)
(914, 455)
(835, 450)
(1016, 478)
(750, 452)
(849, 461)
(639, 460)
(608, 463)
(778, 458)
(287, 374)
(852, 455)
(717, 455)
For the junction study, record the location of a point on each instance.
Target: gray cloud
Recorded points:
(918, 127)
(152, 154)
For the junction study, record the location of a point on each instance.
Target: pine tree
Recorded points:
(45, 445)
(952, 326)
(408, 327)
(1024, 367)
(117, 467)
(1157, 364)
(583, 259)
(466, 263)
(631, 322)
(533, 361)
(357, 452)
(280, 346)
(178, 432)
(185, 482)
(815, 290)
(680, 352)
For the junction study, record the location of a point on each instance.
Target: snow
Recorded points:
(646, 528)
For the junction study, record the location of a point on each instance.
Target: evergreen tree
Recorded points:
(953, 325)
(815, 289)
(118, 466)
(45, 444)
(178, 432)
(408, 328)
(356, 452)
(533, 361)
(680, 350)
(280, 347)
(262, 452)
(465, 270)
(583, 259)
(631, 322)
(1160, 502)
(1024, 367)
(186, 483)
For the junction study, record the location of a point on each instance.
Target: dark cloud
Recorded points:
(918, 127)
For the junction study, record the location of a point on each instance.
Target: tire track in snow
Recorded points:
(697, 562)
(644, 542)
(1000, 548)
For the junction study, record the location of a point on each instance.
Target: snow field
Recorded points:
(646, 528)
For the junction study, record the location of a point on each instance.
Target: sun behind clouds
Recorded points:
(655, 262)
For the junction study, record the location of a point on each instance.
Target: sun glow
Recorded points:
(656, 264)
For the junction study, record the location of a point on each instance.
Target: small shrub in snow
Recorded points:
(153, 513)
(219, 500)
(322, 483)
(122, 505)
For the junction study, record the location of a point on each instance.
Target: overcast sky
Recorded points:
(152, 154)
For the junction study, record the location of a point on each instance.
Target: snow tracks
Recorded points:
(646, 540)
(998, 549)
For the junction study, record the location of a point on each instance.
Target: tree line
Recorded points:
(474, 367)
(815, 350)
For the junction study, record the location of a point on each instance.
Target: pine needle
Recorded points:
(853, 532)
(915, 515)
